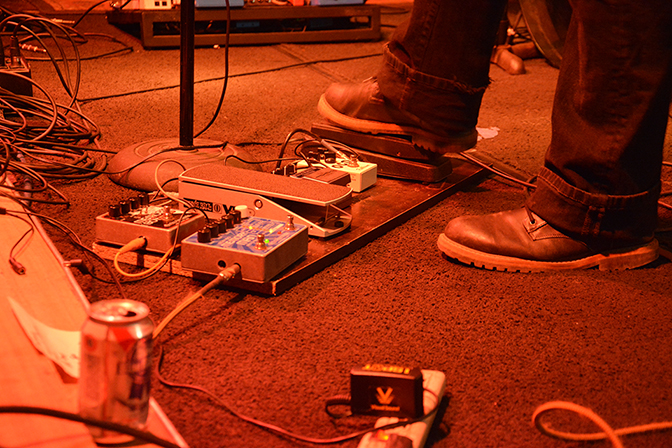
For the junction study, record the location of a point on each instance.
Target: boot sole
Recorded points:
(419, 137)
(626, 258)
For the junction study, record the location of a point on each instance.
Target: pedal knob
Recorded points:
(229, 221)
(204, 235)
(330, 157)
(143, 198)
(244, 211)
(222, 225)
(134, 203)
(114, 211)
(214, 230)
(237, 216)
(125, 207)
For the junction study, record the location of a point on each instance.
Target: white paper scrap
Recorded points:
(484, 133)
(61, 346)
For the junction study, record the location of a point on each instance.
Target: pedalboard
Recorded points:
(261, 247)
(161, 224)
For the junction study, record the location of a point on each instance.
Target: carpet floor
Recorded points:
(507, 342)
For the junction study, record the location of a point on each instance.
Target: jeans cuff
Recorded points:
(598, 219)
(444, 105)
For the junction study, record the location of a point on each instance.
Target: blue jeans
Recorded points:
(601, 176)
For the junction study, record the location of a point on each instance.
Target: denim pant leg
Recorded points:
(601, 175)
(436, 65)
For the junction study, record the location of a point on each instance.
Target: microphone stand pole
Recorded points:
(187, 32)
(144, 158)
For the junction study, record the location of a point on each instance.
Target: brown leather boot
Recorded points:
(519, 240)
(362, 108)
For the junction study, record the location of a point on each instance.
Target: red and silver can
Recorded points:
(115, 365)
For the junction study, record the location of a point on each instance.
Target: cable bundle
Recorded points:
(41, 139)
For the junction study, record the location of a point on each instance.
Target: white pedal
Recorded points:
(362, 174)
(434, 385)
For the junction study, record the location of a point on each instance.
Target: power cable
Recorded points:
(277, 429)
(140, 435)
(608, 433)
(251, 73)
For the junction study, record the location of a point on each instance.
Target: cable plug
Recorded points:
(14, 52)
(78, 263)
(134, 245)
(338, 400)
(17, 267)
(33, 48)
(227, 274)
(63, 21)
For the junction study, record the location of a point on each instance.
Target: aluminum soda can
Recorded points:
(115, 366)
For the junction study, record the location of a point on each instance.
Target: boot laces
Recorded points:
(530, 215)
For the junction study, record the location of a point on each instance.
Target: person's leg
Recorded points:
(596, 196)
(601, 176)
(432, 79)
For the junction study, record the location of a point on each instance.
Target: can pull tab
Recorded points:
(125, 312)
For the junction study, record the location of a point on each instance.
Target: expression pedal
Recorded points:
(262, 247)
(413, 435)
(216, 189)
(157, 223)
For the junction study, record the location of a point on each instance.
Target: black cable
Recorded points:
(494, 170)
(163, 151)
(288, 139)
(136, 433)
(42, 139)
(338, 400)
(226, 72)
(256, 72)
(72, 236)
(70, 33)
(17, 266)
(46, 187)
(85, 36)
(46, 24)
(258, 162)
(276, 429)
(86, 13)
(527, 184)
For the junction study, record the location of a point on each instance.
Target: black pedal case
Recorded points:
(386, 390)
(16, 84)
